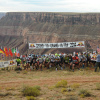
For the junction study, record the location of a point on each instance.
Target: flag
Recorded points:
(14, 51)
(6, 51)
(10, 52)
(1, 51)
(17, 52)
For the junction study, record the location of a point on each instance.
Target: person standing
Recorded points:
(18, 60)
(97, 62)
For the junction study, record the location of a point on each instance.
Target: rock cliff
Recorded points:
(47, 27)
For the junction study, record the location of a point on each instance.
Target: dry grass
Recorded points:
(11, 84)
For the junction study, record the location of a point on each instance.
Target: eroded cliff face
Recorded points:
(43, 27)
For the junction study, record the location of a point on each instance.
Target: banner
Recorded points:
(4, 64)
(56, 45)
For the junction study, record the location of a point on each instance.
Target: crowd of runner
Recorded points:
(57, 61)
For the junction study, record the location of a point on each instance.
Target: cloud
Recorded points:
(49, 5)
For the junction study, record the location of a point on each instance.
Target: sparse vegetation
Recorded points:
(63, 90)
(62, 83)
(31, 91)
(5, 94)
(84, 93)
(25, 72)
(10, 88)
(37, 85)
(31, 98)
(75, 85)
(97, 86)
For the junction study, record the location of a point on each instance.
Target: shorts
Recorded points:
(52, 62)
(46, 62)
(40, 62)
(66, 62)
(76, 63)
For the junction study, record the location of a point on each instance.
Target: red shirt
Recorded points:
(75, 60)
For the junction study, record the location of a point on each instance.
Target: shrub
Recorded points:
(62, 83)
(75, 85)
(63, 90)
(97, 86)
(84, 93)
(31, 98)
(51, 87)
(25, 72)
(37, 87)
(31, 91)
(5, 94)
(10, 88)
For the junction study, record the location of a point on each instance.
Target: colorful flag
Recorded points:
(1, 51)
(6, 51)
(14, 51)
(10, 52)
(17, 52)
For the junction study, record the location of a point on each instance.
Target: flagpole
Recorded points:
(27, 44)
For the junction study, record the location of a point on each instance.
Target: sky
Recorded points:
(50, 6)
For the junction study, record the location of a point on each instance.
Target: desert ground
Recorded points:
(12, 83)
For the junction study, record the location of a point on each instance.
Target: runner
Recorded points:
(82, 60)
(66, 60)
(75, 62)
(39, 62)
(97, 62)
(24, 63)
(57, 61)
(52, 61)
(27, 61)
(18, 60)
(47, 62)
(33, 62)
(70, 62)
(61, 61)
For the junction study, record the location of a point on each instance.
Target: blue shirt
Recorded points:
(98, 58)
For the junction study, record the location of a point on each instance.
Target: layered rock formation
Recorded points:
(44, 27)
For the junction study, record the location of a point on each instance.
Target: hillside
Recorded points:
(38, 27)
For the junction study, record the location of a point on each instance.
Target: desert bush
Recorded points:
(10, 88)
(37, 87)
(62, 83)
(5, 94)
(84, 93)
(30, 98)
(25, 72)
(75, 85)
(63, 90)
(51, 87)
(97, 86)
(31, 91)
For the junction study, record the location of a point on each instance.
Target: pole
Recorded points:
(27, 44)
